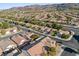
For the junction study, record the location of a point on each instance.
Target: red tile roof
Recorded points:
(38, 48)
(19, 40)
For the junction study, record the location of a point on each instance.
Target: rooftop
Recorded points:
(5, 43)
(19, 39)
(39, 47)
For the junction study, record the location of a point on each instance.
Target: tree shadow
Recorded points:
(69, 50)
(46, 48)
(16, 54)
(76, 37)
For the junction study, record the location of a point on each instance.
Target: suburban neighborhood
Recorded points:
(40, 30)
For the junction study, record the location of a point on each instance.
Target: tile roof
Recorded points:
(19, 40)
(38, 48)
(6, 43)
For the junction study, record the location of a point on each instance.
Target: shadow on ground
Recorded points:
(69, 50)
(76, 37)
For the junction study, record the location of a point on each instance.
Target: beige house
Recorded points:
(64, 32)
(11, 30)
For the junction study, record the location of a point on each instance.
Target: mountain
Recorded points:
(63, 6)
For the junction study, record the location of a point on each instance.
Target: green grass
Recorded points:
(65, 36)
(54, 33)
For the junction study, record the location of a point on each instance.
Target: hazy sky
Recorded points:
(10, 5)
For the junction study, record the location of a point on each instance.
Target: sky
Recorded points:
(5, 4)
(10, 5)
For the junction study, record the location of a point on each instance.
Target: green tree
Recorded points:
(1, 24)
(56, 26)
(50, 51)
(65, 36)
(34, 37)
(54, 33)
(5, 25)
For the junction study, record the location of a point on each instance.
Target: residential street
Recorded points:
(73, 43)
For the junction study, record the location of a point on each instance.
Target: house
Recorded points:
(64, 32)
(37, 49)
(6, 45)
(29, 34)
(11, 30)
(19, 40)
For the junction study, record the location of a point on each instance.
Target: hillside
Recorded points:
(62, 13)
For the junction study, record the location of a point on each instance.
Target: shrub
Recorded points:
(50, 51)
(3, 32)
(56, 26)
(34, 37)
(54, 33)
(5, 25)
(65, 36)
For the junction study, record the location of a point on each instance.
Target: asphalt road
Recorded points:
(75, 39)
(34, 43)
(73, 43)
(67, 53)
